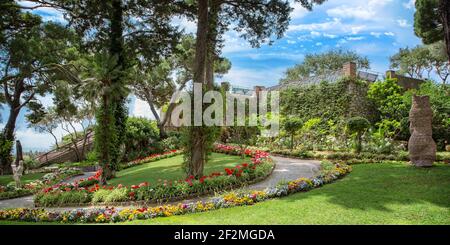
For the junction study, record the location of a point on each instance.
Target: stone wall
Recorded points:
(403, 81)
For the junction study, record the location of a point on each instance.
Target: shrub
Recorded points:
(117, 195)
(357, 126)
(172, 142)
(100, 195)
(141, 137)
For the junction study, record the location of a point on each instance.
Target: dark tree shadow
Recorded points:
(375, 186)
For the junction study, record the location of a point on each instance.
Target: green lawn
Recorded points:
(5, 179)
(371, 194)
(170, 169)
(388, 193)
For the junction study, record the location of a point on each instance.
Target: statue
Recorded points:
(18, 166)
(421, 146)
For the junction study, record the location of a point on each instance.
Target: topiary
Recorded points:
(357, 126)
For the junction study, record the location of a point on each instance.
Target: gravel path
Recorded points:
(288, 169)
(27, 201)
(285, 169)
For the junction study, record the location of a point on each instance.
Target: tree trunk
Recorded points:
(358, 143)
(196, 159)
(444, 9)
(8, 136)
(19, 153)
(162, 132)
(292, 142)
(54, 137)
(114, 113)
(102, 136)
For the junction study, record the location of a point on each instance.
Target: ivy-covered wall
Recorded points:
(329, 101)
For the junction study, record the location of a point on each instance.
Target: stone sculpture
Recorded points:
(18, 166)
(421, 146)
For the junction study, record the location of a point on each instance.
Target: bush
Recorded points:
(62, 198)
(100, 196)
(141, 138)
(117, 195)
(8, 194)
(172, 142)
(357, 126)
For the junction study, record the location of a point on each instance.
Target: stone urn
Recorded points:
(421, 146)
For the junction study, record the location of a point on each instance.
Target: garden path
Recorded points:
(285, 169)
(27, 201)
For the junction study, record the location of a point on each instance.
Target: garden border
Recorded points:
(231, 199)
(176, 199)
(31, 193)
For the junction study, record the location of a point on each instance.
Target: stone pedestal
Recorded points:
(421, 146)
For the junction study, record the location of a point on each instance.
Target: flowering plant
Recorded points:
(165, 190)
(35, 186)
(230, 199)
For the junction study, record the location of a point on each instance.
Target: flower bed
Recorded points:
(49, 179)
(352, 157)
(260, 167)
(8, 192)
(231, 199)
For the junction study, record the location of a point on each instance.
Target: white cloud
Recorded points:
(389, 33)
(315, 34)
(376, 34)
(355, 38)
(334, 26)
(329, 35)
(47, 14)
(411, 4)
(141, 109)
(359, 10)
(33, 140)
(298, 11)
(319, 44)
(403, 23)
(233, 43)
(291, 42)
(187, 25)
(253, 77)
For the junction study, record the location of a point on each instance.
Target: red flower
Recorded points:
(134, 186)
(202, 179)
(229, 171)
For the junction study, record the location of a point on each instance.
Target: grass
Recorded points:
(388, 193)
(5, 179)
(385, 193)
(170, 169)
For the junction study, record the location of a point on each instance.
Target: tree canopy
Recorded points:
(432, 22)
(321, 63)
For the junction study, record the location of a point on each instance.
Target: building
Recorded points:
(348, 70)
(403, 81)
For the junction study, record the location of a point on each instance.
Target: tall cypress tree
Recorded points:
(257, 21)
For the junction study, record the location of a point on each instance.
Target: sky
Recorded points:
(373, 28)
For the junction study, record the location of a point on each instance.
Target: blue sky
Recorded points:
(374, 28)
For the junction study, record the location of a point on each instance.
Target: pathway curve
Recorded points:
(288, 169)
(285, 169)
(27, 201)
